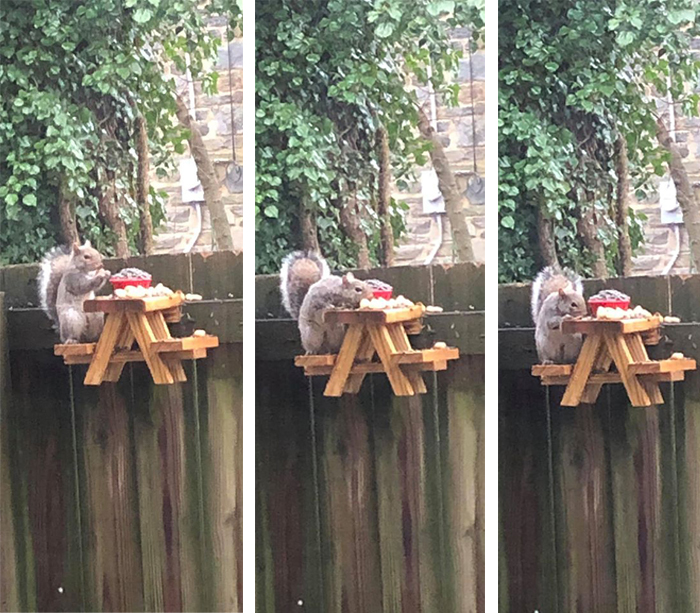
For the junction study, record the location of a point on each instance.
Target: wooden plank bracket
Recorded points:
(383, 333)
(614, 343)
(142, 321)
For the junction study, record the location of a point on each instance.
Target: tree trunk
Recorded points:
(588, 229)
(450, 192)
(350, 220)
(548, 249)
(142, 186)
(109, 210)
(622, 209)
(384, 198)
(207, 177)
(66, 214)
(684, 191)
(309, 231)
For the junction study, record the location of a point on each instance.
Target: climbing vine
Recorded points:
(574, 76)
(75, 78)
(330, 77)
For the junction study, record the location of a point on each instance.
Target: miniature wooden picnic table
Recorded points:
(384, 333)
(622, 343)
(140, 320)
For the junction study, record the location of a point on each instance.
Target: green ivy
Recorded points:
(71, 76)
(328, 74)
(573, 74)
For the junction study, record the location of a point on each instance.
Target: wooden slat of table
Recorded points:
(385, 348)
(144, 337)
(639, 354)
(106, 304)
(185, 343)
(124, 343)
(135, 355)
(161, 331)
(365, 353)
(375, 317)
(592, 326)
(346, 357)
(103, 351)
(403, 345)
(601, 365)
(582, 370)
(377, 367)
(622, 357)
(652, 367)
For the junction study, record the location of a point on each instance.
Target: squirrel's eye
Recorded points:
(86, 256)
(358, 289)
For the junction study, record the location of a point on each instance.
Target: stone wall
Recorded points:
(220, 118)
(462, 131)
(661, 240)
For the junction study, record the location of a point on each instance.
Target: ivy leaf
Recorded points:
(272, 211)
(142, 15)
(384, 29)
(29, 200)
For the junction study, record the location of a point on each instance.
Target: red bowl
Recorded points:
(594, 304)
(119, 283)
(383, 293)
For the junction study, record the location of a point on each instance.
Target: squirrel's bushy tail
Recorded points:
(551, 279)
(53, 266)
(300, 270)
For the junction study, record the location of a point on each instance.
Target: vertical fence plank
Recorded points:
(222, 462)
(112, 560)
(348, 504)
(43, 489)
(465, 495)
(9, 592)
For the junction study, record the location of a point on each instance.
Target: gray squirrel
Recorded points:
(556, 294)
(68, 277)
(309, 289)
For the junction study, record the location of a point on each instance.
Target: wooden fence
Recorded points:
(599, 504)
(124, 497)
(372, 503)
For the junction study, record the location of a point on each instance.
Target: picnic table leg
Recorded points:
(344, 361)
(384, 345)
(635, 343)
(156, 319)
(124, 343)
(402, 344)
(623, 358)
(582, 370)
(364, 354)
(105, 346)
(144, 337)
(602, 364)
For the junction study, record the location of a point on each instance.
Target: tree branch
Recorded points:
(207, 176)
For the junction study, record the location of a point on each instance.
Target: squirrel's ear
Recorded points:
(87, 244)
(76, 248)
(562, 292)
(348, 278)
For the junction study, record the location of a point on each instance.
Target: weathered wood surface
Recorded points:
(126, 496)
(606, 521)
(371, 503)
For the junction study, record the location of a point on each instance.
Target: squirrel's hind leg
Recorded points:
(72, 324)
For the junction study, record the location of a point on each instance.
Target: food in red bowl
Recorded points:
(380, 289)
(130, 276)
(608, 298)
